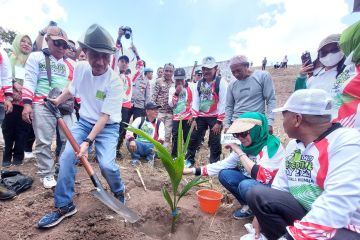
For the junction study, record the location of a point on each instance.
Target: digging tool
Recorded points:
(99, 192)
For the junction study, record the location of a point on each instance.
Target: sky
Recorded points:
(184, 31)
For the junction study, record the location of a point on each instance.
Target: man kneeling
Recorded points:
(315, 194)
(153, 127)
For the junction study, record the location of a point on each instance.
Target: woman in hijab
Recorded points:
(15, 130)
(255, 161)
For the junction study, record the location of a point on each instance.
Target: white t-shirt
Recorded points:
(99, 94)
(323, 80)
(5, 71)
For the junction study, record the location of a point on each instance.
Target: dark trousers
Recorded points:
(29, 138)
(203, 123)
(175, 130)
(275, 210)
(14, 131)
(126, 114)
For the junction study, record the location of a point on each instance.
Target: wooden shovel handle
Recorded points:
(75, 146)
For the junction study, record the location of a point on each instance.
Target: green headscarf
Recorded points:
(260, 136)
(350, 42)
(16, 56)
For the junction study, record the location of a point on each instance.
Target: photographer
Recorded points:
(322, 73)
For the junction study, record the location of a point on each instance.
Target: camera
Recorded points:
(306, 58)
(127, 31)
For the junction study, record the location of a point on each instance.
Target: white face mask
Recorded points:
(331, 59)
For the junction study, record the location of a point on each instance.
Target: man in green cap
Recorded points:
(100, 90)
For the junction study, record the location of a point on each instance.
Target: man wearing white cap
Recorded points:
(208, 110)
(315, 194)
(250, 92)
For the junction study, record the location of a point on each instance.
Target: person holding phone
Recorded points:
(322, 73)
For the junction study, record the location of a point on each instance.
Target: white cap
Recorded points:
(308, 101)
(209, 62)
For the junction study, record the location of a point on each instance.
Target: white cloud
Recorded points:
(195, 50)
(293, 27)
(161, 2)
(29, 17)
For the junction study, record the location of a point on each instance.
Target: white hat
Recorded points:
(209, 62)
(308, 101)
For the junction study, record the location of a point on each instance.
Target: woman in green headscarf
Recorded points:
(15, 130)
(255, 161)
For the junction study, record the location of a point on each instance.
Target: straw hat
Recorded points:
(243, 125)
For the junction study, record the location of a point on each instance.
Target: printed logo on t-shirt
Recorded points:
(299, 166)
(181, 104)
(100, 95)
(148, 129)
(206, 98)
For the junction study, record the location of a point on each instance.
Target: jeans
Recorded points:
(143, 149)
(14, 130)
(175, 130)
(203, 123)
(275, 210)
(105, 145)
(44, 124)
(237, 183)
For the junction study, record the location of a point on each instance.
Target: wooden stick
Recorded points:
(142, 181)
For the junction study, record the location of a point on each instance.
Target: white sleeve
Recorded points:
(113, 99)
(341, 196)
(134, 124)
(222, 100)
(196, 100)
(31, 76)
(214, 168)
(161, 131)
(6, 73)
(171, 95)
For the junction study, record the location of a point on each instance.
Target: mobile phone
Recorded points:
(306, 58)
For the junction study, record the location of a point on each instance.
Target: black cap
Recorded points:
(125, 58)
(151, 105)
(198, 71)
(179, 73)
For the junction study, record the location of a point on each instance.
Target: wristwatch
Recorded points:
(88, 140)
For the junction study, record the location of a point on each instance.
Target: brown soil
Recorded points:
(18, 217)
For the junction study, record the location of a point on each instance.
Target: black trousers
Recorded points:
(275, 210)
(29, 138)
(15, 131)
(126, 114)
(203, 123)
(175, 129)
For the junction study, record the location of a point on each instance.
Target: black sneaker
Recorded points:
(54, 218)
(6, 164)
(6, 194)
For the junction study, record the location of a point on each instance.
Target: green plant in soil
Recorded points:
(175, 168)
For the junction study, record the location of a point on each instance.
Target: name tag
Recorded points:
(100, 95)
(229, 138)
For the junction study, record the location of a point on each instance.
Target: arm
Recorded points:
(135, 124)
(161, 138)
(195, 102)
(6, 74)
(31, 77)
(172, 101)
(155, 92)
(269, 96)
(229, 109)
(339, 201)
(222, 101)
(147, 93)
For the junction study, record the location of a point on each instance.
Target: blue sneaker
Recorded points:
(54, 218)
(188, 163)
(243, 212)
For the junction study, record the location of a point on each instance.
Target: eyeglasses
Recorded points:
(60, 43)
(241, 134)
(324, 52)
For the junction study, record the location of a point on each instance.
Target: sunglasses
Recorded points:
(325, 52)
(60, 43)
(241, 134)
(199, 75)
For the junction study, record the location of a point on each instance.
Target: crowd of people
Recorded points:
(306, 190)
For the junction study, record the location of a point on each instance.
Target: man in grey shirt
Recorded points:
(249, 92)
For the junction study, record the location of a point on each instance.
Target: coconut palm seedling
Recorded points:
(175, 168)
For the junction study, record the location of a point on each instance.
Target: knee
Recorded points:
(223, 176)
(254, 195)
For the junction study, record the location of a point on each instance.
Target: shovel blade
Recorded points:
(115, 205)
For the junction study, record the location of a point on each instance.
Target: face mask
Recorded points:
(331, 59)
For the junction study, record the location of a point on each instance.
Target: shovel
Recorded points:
(99, 192)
